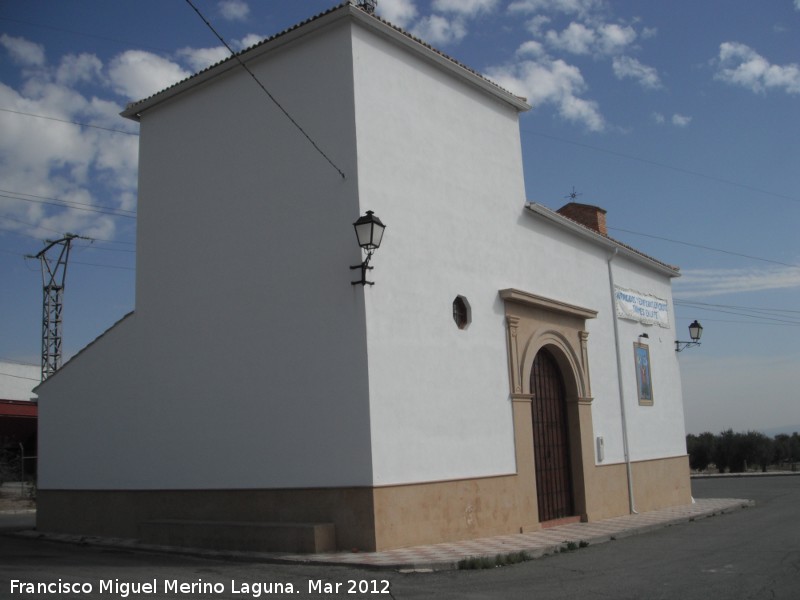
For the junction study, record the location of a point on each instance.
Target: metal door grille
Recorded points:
(550, 439)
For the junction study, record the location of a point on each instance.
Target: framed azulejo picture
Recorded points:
(644, 379)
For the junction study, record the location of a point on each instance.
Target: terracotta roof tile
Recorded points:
(557, 215)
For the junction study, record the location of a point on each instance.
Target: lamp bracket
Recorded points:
(680, 346)
(364, 266)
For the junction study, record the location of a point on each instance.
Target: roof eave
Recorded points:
(601, 240)
(441, 60)
(135, 109)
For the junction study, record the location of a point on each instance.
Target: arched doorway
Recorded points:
(551, 447)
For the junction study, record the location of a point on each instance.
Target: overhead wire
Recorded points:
(85, 34)
(19, 376)
(120, 212)
(116, 212)
(85, 264)
(265, 90)
(753, 308)
(17, 362)
(662, 165)
(701, 246)
(772, 316)
(27, 114)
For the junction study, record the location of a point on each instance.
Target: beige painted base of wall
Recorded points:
(656, 484)
(368, 519)
(125, 513)
(431, 513)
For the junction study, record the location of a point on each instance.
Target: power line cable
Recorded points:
(74, 262)
(17, 362)
(753, 308)
(666, 239)
(21, 222)
(662, 165)
(84, 34)
(89, 247)
(20, 234)
(744, 322)
(266, 91)
(123, 210)
(17, 112)
(761, 318)
(117, 212)
(19, 376)
(85, 264)
(100, 248)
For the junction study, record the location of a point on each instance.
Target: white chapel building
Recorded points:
(495, 379)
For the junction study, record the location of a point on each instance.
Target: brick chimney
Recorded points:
(587, 215)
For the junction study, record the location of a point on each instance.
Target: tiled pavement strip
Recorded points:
(446, 556)
(536, 544)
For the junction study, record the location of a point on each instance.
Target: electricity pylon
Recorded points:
(54, 273)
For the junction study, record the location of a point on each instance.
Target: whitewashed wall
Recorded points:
(244, 365)
(658, 430)
(440, 163)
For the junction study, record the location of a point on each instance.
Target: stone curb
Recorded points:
(532, 544)
(738, 475)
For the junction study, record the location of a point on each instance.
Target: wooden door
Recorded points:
(550, 439)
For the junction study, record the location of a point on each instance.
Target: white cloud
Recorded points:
(548, 81)
(23, 52)
(649, 32)
(797, 4)
(677, 120)
(741, 65)
(81, 68)
(40, 157)
(397, 12)
(251, 39)
(536, 24)
(440, 31)
(578, 38)
(580, 7)
(700, 283)
(201, 58)
(613, 38)
(627, 67)
(681, 120)
(531, 48)
(136, 74)
(464, 7)
(234, 10)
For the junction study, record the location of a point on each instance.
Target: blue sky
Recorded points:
(681, 118)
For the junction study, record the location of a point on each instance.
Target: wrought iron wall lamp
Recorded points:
(369, 231)
(695, 331)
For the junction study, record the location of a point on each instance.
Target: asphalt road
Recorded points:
(750, 554)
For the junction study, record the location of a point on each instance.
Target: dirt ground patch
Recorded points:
(12, 500)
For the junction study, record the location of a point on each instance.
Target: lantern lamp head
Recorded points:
(369, 231)
(695, 332)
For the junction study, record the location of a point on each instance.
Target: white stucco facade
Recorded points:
(251, 362)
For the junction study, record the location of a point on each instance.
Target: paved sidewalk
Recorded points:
(440, 557)
(536, 544)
